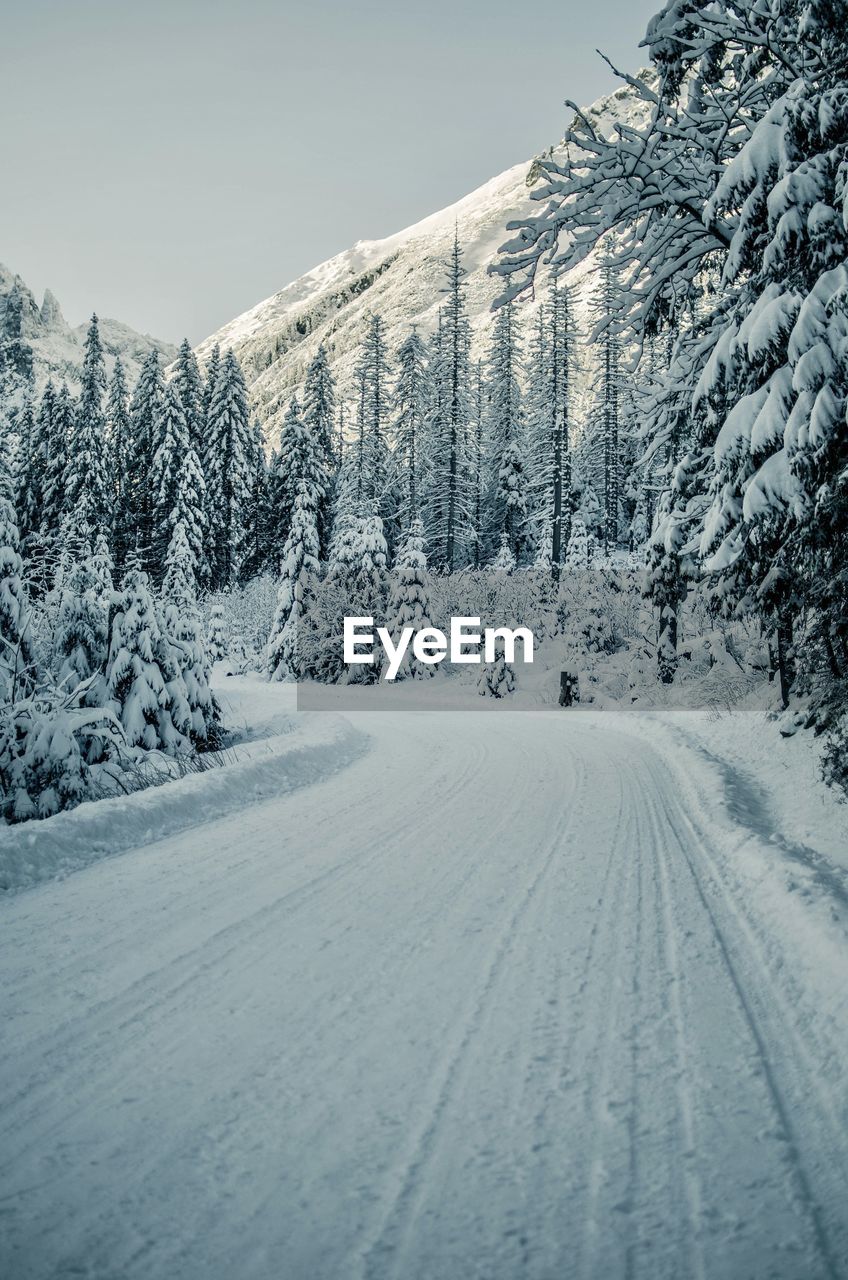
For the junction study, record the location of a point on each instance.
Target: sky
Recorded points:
(169, 164)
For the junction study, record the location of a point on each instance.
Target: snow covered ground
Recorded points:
(516, 993)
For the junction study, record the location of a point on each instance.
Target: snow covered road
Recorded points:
(489, 1002)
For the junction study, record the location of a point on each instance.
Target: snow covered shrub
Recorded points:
(17, 659)
(504, 561)
(497, 679)
(81, 637)
(55, 752)
(835, 756)
(216, 643)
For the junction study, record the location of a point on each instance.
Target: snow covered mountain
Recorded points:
(40, 337)
(400, 277)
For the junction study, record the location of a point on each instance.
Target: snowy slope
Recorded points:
(57, 346)
(400, 277)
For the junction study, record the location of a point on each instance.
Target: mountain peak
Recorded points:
(400, 276)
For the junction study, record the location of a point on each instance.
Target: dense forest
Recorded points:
(678, 456)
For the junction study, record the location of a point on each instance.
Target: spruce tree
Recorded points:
(319, 409)
(62, 420)
(258, 548)
(410, 398)
(31, 465)
(227, 468)
(505, 420)
(409, 603)
(299, 567)
(138, 688)
(17, 658)
(119, 437)
(181, 626)
(448, 488)
(88, 480)
(82, 632)
(145, 415)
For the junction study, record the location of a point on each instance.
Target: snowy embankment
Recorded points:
(278, 753)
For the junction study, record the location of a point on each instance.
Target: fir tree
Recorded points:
(181, 625)
(577, 552)
(88, 482)
(217, 639)
(258, 536)
(497, 679)
(58, 418)
(82, 634)
(172, 445)
(448, 488)
(409, 603)
(17, 659)
(188, 385)
(508, 484)
(299, 567)
(145, 418)
(137, 686)
(227, 468)
(411, 395)
(319, 407)
(119, 441)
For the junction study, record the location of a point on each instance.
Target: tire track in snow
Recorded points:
(597, 1068)
(668, 945)
(216, 950)
(379, 1252)
(783, 1108)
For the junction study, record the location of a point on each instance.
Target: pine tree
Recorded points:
(409, 603)
(217, 639)
(59, 418)
(227, 466)
(560, 370)
(477, 465)
(171, 446)
(284, 476)
(299, 567)
(177, 481)
(88, 482)
(319, 408)
(449, 485)
(119, 438)
(33, 443)
(102, 569)
(188, 385)
(411, 395)
(372, 422)
(137, 686)
(608, 409)
(577, 552)
(369, 557)
(181, 625)
(82, 632)
(17, 659)
(497, 679)
(506, 429)
(145, 417)
(504, 561)
(258, 540)
(301, 468)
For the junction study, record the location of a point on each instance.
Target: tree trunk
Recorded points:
(784, 643)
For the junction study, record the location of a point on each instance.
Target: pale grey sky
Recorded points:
(171, 162)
